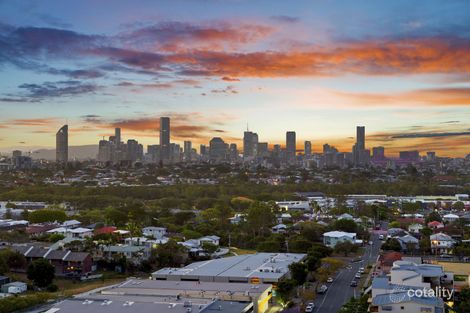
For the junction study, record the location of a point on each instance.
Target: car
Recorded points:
(381, 237)
(446, 256)
(310, 307)
(361, 270)
(371, 243)
(329, 280)
(353, 283)
(323, 289)
(358, 275)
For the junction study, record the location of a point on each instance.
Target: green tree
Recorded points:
(433, 216)
(392, 244)
(47, 215)
(345, 225)
(345, 247)
(41, 272)
(394, 224)
(463, 303)
(260, 217)
(298, 273)
(284, 291)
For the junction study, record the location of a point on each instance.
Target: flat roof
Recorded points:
(269, 266)
(130, 306)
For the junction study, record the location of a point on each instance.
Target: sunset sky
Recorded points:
(400, 68)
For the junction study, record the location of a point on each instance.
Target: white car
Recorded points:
(358, 275)
(329, 280)
(323, 289)
(310, 307)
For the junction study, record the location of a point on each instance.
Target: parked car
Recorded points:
(353, 283)
(310, 307)
(361, 270)
(358, 275)
(329, 280)
(323, 289)
(381, 237)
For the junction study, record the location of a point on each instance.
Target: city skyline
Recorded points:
(318, 68)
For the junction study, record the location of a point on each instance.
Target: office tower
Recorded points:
(217, 149)
(307, 149)
(165, 139)
(117, 136)
(262, 150)
(431, 156)
(62, 145)
(378, 153)
(360, 146)
(361, 137)
(187, 151)
(104, 151)
(250, 145)
(203, 150)
(276, 150)
(133, 150)
(290, 147)
(153, 152)
(326, 148)
(233, 152)
(175, 153)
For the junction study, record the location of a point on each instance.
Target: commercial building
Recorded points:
(150, 296)
(259, 267)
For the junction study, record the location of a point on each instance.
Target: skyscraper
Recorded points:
(361, 137)
(218, 150)
(290, 147)
(250, 145)
(117, 136)
(308, 149)
(165, 139)
(187, 151)
(62, 145)
(360, 146)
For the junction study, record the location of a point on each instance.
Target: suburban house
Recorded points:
(385, 261)
(76, 233)
(154, 232)
(279, 229)
(441, 243)
(65, 262)
(435, 225)
(408, 243)
(331, 238)
(415, 228)
(450, 218)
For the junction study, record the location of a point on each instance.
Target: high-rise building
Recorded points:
(117, 136)
(165, 139)
(233, 152)
(217, 149)
(378, 153)
(104, 151)
(360, 146)
(133, 150)
(187, 151)
(262, 150)
(250, 145)
(290, 146)
(307, 149)
(431, 156)
(62, 145)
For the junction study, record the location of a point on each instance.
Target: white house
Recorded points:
(155, 232)
(450, 218)
(71, 224)
(415, 228)
(331, 238)
(345, 216)
(80, 232)
(294, 205)
(279, 229)
(441, 243)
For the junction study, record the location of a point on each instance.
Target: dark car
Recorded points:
(353, 283)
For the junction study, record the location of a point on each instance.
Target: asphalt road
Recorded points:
(339, 291)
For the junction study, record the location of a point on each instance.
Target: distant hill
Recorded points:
(75, 152)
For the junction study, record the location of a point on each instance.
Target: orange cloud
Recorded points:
(433, 97)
